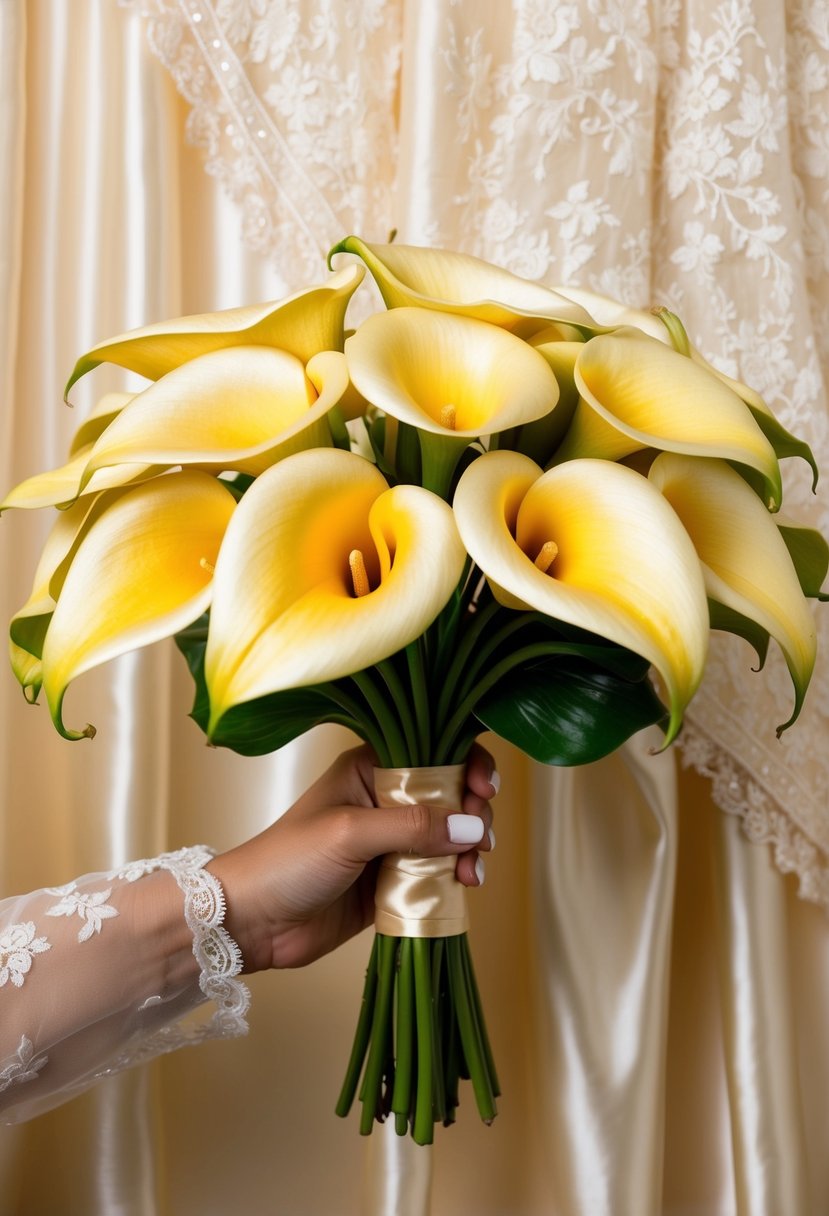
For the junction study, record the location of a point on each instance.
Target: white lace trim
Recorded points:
(218, 955)
(737, 792)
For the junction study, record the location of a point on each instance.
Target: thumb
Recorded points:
(425, 830)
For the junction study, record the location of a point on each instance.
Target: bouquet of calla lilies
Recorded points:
(493, 506)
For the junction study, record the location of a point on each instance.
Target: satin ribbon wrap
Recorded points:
(420, 896)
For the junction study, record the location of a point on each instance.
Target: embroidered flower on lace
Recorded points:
(90, 906)
(23, 1065)
(18, 945)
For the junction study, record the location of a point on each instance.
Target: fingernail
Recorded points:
(491, 839)
(480, 872)
(465, 829)
(495, 781)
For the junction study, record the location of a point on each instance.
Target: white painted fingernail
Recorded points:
(491, 839)
(465, 829)
(480, 872)
(495, 780)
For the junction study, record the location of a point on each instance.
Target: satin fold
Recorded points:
(604, 885)
(420, 896)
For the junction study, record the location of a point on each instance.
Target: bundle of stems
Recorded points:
(421, 1029)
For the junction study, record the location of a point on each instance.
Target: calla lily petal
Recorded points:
(285, 611)
(59, 487)
(639, 393)
(142, 571)
(624, 569)
(408, 275)
(303, 324)
(744, 558)
(613, 314)
(243, 408)
(98, 419)
(413, 364)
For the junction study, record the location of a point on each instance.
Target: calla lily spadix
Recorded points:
(303, 324)
(638, 393)
(408, 275)
(242, 408)
(453, 378)
(324, 571)
(745, 561)
(142, 571)
(593, 544)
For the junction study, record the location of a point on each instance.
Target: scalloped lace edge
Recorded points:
(763, 820)
(218, 955)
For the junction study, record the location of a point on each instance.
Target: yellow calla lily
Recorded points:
(303, 324)
(638, 393)
(453, 378)
(292, 603)
(591, 543)
(613, 314)
(745, 561)
(142, 571)
(243, 409)
(408, 275)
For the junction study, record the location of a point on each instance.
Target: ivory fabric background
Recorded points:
(658, 994)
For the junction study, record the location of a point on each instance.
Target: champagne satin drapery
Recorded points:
(656, 993)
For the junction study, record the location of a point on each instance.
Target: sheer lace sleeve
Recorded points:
(109, 971)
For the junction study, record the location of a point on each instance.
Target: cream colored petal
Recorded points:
(613, 314)
(457, 283)
(414, 363)
(243, 408)
(58, 487)
(745, 560)
(142, 571)
(303, 324)
(99, 418)
(638, 393)
(284, 612)
(625, 568)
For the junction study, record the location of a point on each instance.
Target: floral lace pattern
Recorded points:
(90, 906)
(23, 1066)
(675, 153)
(18, 945)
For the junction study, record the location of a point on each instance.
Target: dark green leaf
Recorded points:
(730, 621)
(256, 727)
(567, 712)
(810, 556)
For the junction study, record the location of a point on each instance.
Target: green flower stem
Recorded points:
(402, 703)
(467, 706)
(475, 626)
(401, 1102)
(361, 1037)
(480, 658)
(380, 1029)
(356, 719)
(470, 1036)
(439, 456)
(439, 1111)
(477, 1009)
(423, 1130)
(415, 658)
(385, 719)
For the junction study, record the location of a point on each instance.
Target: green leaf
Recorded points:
(810, 556)
(259, 726)
(730, 621)
(783, 442)
(568, 712)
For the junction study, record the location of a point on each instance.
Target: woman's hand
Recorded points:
(306, 884)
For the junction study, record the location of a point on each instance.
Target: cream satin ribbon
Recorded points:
(419, 896)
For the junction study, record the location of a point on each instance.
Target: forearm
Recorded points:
(92, 976)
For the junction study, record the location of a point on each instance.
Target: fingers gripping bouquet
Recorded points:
(493, 506)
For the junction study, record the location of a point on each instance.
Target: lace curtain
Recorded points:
(660, 153)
